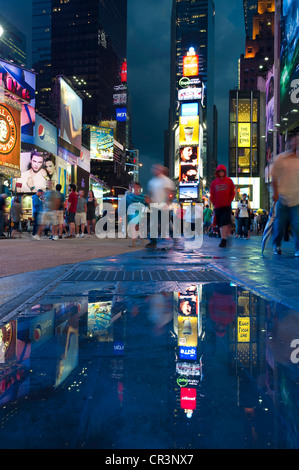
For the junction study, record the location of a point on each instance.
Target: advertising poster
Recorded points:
(38, 171)
(45, 135)
(188, 192)
(189, 130)
(188, 304)
(270, 109)
(188, 398)
(289, 61)
(190, 65)
(189, 155)
(121, 114)
(244, 134)
(101, 143)
(99, 320)
(62, 174)
(10, 136)
(189, 173)
(20, 84)
(187, 331)
(71, 107)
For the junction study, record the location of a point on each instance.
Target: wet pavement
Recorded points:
(153, 350)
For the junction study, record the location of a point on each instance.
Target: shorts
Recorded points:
(223, 216)
(60, 218)
(48, 218)
(70, 217)
(80, 218)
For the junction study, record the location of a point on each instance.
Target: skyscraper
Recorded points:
(12, 42)
(192, 26)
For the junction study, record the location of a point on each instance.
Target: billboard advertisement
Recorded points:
(188, 193)
(190, 65)
(188, 398)
(10, 136)
(289, 62)
(70, 129)
(190, 89)
(121, 114)
(244, 134)
(101, 143)
(189, 173)
(189, 130)
(99, 320)
(45, 135)
(189, 155)
(38, 169)
(187, 331)
(19, 83)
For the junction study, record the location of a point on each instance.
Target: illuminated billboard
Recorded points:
(243, 328)
(189, 109)
(190, 65)
(187, 331)
(10, 138)
(189, 173)
(189, 130)
(70, 129)
(121, 114)
(188, 193)
(101, 143)
(189, 155)
(188, 398)
(289, 59)
(99, 320)
(38, 169)
(45, 135)
(244, 134)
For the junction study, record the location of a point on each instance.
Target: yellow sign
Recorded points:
(243, 329)
(244, 134)
(187, 331)
(189, 130)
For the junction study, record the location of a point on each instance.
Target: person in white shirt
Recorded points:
(161, 191)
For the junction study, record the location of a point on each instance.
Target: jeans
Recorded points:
(285, 214)
(1, 223)
(35, 224)
(243, 223)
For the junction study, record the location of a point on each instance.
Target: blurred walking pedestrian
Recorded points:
(71, 210)
(207, 218)
(133, 201)
(15, 217)
(285, 178)
(2, 214)
(222, 193)
(37, 209)
(161, 190)
(60, 211)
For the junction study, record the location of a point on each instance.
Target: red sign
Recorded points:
(10, 127)
(188, 398)
(123, 73)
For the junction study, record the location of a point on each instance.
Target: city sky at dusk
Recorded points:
(149, 64)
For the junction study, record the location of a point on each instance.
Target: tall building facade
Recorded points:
(12, 43)
(192, 26)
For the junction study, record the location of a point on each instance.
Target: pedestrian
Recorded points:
(2, 214)
(37, 209)
(244, 207)
(237, 213)
(91, 213)
(133, 201)
(285, 177)
(80, 217)
(207, 218)
(161, 191)
(15, 217)
(222, 193)
(72, 209)
(60, 211)
(49, 217)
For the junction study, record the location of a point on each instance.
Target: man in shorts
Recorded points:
(80, 217)
(222, 193)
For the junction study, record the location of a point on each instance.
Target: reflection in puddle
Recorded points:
(211, 366)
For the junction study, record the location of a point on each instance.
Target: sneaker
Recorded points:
(36, 237)
(82, 235)
(55, 237)
(77, 236)
(222, 244)
(277, 250)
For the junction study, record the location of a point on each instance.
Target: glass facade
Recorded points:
(244, 133)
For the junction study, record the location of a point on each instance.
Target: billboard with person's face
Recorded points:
(70, 129)
(38, 171)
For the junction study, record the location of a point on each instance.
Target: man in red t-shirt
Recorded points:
(72, 209)
(222, 193)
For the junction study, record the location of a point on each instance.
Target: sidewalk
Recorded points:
(28, 266)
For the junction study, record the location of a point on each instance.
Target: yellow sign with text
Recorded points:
(243, 329)
(244, 134)
(189, 130)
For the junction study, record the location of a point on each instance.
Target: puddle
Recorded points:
(211, 366)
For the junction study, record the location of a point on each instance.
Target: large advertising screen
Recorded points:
(45, 135)
(189, 130)
(38, 171)
(19, 83)
(70, 129)
(101, 143)
(189, 155)
(289, 61)
(188, 193)
(189, 173)
(10, 138)
(190, 65)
